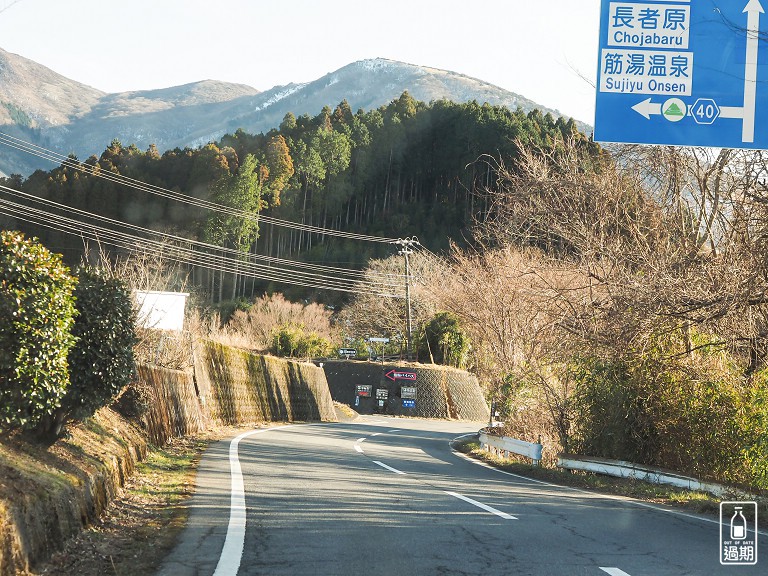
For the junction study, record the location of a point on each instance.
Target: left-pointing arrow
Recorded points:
(646, 108)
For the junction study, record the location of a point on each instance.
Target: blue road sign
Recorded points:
(683, 72)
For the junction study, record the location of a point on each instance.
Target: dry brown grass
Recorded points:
(254, 329)
(45, 486)
(141, 526)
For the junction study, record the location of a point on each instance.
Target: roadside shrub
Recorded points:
(444, 342)
(523, 408)
(612, 412)
(755, 431)
(293, 340)
(135, 400)
(697, 414)
(36, 314)
(102, 362)
(697, 417)
(229, 308)
(254, 328)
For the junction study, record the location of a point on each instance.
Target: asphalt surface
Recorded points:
(386, 496)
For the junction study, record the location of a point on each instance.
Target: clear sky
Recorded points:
(545, 50)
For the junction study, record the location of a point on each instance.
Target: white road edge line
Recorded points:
(395, 470)
(482, 506)
(624, 499)
(232, 553)
(614, 571)
(359, 448)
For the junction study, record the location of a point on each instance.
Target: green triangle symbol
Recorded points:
(673, 110)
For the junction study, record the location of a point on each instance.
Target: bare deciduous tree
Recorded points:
(673, 238)
(647, 253)
(381, 315)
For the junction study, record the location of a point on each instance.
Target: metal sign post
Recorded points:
(383, 342)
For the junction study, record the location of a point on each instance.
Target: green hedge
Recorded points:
(66, 344)
(101, 363)
(36, 315)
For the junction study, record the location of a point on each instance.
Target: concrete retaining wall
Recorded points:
(442, 392)
(228, 386)
(237, 387)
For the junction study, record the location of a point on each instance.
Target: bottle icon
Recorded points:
(738, 525)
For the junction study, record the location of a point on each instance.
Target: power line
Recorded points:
(189, 200)
(378, 280)
(385, 278)
(9, 5)
(96, 171)
(188, 251)
(186, 256)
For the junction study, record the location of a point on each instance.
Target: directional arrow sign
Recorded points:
(646, 108)
(400, 375)
(753, 10)
(673, 109)
(661, 61)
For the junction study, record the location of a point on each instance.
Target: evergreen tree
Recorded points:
(242, 191)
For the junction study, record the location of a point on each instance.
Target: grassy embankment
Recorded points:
(45, 486)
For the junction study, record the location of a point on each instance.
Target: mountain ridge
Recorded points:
(50, 110)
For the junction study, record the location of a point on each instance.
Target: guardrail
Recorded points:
(506, 444)
(623, 469)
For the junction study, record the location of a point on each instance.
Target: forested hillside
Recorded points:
(405, 169)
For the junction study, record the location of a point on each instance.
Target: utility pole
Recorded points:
(406, 250)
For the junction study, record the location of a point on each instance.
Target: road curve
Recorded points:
(386, 496)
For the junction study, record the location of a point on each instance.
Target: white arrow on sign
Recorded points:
(646, 108)
(747, 112)
(675, 112)
(753, 10)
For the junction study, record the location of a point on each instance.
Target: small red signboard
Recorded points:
(363, 390)
(401, 375)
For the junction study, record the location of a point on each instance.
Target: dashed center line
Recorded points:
(482, 506)
(614, 571)
(395, 470)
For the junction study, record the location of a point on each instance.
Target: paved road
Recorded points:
(385, 496)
